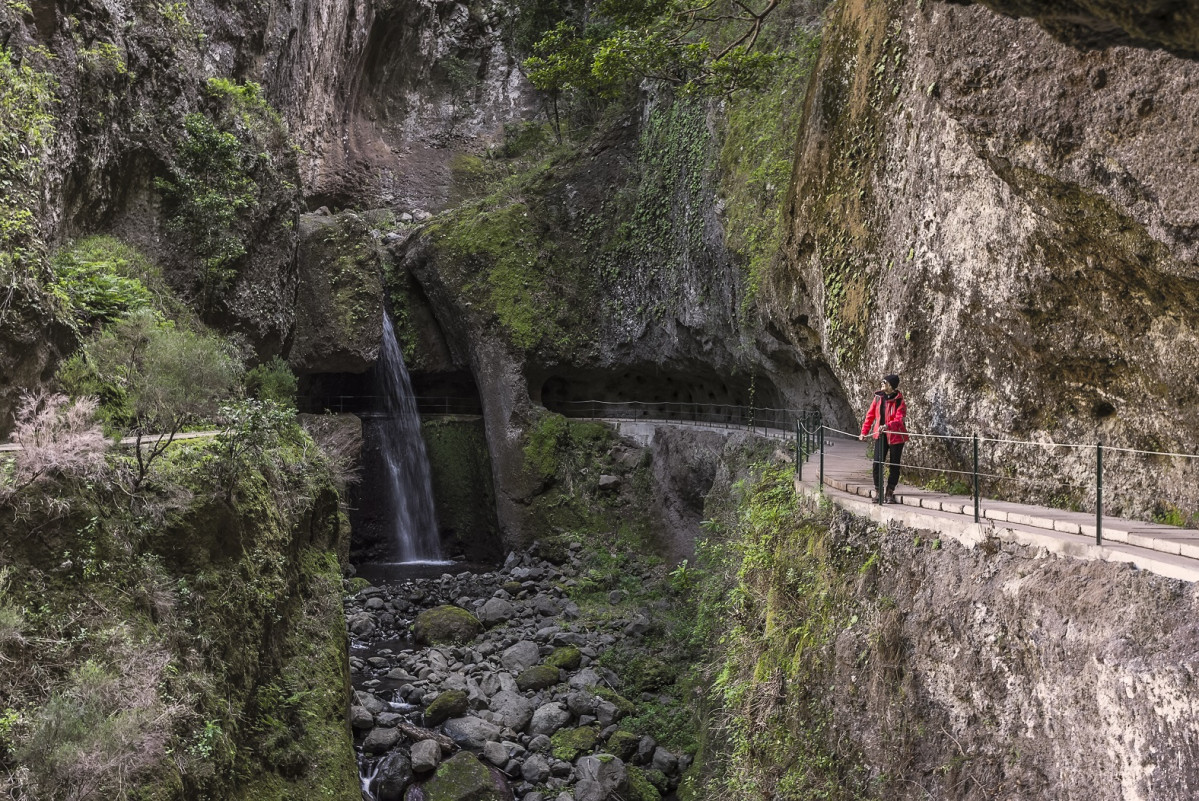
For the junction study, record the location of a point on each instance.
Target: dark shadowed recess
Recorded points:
(653, 391)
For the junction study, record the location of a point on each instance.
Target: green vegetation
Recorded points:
(102, 280)
(172, 634)
(273, 381)
(757, 154)
(603, 49)
(27, 128)
(231, 171)
(770, 596)
(570, 744)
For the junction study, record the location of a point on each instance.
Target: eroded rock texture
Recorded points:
(1009, 222)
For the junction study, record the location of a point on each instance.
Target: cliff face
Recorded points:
(1009, 222)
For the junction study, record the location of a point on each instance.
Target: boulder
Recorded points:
(470, 732)
(536, 769)
(624, 744)
(538, 678)
(426, 755)
(381, 740)
(640, 786)
(521, 656)
(513, 709)
(362, 624)
(601, 777)
(361, 718)
(566, 658)
(450, 704)
(570, 744)
(393, 777)
(496, 610)
(463, 777)
(446, 624)
(496, 753)
(548, 719)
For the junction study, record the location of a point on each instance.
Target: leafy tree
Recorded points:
(155, 380)
(250, 428)
(612, 44)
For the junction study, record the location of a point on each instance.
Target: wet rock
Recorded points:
(426, 755)
(362, 624)
(381, 740)
(496, 754)
(446, 624)
(360, 718)
(394, 776)
(536, 769)
(665, 761)
(496, 611)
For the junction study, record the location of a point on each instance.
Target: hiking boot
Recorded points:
(889, 497)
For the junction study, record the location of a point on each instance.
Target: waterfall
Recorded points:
(409, 487)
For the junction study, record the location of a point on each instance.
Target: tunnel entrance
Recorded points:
(696, 394)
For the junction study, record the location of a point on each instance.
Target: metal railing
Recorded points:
(374, 404)
(711, 415)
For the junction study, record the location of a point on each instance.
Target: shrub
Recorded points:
(340, 443)
(57, 436)
(105, 727)
(103, 280)
(155, 379)
(273, 381)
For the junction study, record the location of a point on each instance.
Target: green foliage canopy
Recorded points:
(612, 44)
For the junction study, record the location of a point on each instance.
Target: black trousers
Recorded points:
(886, 452)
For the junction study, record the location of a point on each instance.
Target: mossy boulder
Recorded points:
(640, 787)
(650, 674)
(513, 587)
(567, 658)
(446, 625)
(623, 705)
(450, 704)
(623, 744)
(462, 777)
(538, 677)
(570, 744)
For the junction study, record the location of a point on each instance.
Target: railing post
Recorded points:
(977, 518)
(798, 460)
(1098, 493)
(879, 478)
(820, 437)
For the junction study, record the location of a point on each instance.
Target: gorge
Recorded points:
(227, 219)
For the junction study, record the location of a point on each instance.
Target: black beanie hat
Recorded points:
(893, 380)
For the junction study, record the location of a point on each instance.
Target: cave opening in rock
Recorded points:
(695, 391)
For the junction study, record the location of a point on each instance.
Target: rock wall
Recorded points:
(1010, 223)
(1000, 672)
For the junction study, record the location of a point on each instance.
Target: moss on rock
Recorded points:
(538, 677)
(463, 777)
(640, 787)
(566, 658)
(570, 744)
(623, 705)
(450, 704)
(623, 744)
(446, 625)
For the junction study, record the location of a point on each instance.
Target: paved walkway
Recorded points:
(148, 439)
(1162, 549)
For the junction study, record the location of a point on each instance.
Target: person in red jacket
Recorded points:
(886, 416)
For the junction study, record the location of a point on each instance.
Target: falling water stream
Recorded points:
(409, 489)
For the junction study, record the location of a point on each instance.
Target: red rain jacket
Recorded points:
(894, 411)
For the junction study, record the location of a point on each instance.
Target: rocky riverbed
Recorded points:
(489, 686)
